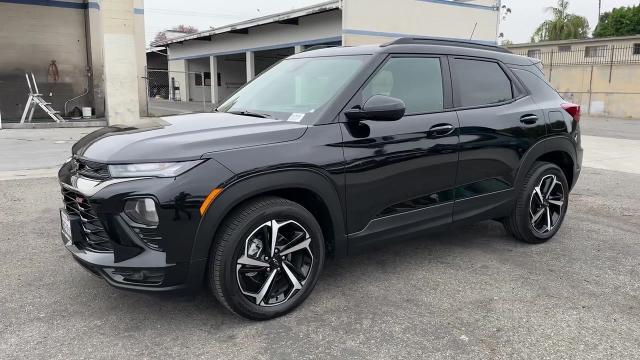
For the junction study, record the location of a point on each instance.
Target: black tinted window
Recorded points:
(540, 89)
(480, 82)
(416, 81)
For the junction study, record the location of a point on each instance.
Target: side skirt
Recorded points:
(484, 207)
(392, 228)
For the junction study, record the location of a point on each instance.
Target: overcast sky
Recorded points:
(162, 14)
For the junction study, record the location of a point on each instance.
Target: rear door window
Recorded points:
(478, 82)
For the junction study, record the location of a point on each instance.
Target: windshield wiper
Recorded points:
(248, 113)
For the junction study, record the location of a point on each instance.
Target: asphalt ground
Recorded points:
(468, 293)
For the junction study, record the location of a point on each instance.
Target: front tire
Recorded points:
(541, 204)
(266, 258)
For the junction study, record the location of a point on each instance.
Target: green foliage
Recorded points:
(621, 21)
(562, 26)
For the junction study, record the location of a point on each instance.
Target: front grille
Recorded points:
(150, 236)
(95, 237)
(91, 169)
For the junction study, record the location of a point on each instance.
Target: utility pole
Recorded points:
(599, 9)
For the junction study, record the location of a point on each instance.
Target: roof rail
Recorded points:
(446, 42)
(318, 47)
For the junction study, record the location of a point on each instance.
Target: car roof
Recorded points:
(423, 46)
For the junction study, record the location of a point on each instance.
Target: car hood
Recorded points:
(183, 137)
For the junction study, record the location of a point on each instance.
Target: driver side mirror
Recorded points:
(378, 108)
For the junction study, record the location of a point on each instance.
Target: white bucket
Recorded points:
(86, 112)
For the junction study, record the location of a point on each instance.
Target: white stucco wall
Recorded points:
(372, 22)
(312, 29)
(178, 71)
(196, 92)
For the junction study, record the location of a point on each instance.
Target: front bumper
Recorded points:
(148, 270)
(105, 244)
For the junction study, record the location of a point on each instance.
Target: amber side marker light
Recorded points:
(208, 200)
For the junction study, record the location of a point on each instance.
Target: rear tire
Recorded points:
(255, 277)
(540, 206)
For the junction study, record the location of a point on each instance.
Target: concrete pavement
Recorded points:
(611, 127)
(611, 154)
(469, 293)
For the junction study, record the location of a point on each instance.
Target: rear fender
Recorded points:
(556, 143)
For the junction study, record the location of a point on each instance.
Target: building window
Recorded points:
(534, 53)
(564, 48)
(636, 49)
(595, 51)
(207, 79)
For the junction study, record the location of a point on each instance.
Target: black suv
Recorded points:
(327, 152)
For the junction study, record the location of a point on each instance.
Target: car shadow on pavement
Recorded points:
(341, 278)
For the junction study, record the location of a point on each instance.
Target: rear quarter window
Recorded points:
(539, 88)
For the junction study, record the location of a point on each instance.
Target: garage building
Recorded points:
(82, 53)
(237, 52)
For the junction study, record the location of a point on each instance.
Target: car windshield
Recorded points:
(294, 89)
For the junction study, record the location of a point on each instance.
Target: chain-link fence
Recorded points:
(177, 92)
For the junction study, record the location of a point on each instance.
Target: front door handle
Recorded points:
(529, 119)
(441, 130)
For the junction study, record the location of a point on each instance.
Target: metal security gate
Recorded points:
(177, 92)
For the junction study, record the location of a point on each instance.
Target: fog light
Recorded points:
(142, 211)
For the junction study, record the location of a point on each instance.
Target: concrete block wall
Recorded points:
(600, 89)
(590, 87)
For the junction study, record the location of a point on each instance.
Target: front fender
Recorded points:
(240, 190)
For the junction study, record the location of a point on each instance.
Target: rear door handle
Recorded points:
(529, 119)
(441, 130)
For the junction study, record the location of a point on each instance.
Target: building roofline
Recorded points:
(575, 41)
(263, 20)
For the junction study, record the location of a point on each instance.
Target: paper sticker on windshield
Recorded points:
(296, 117)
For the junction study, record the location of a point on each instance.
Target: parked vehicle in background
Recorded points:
(326, 153)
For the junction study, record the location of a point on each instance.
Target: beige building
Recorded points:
(97, 47)
(602, 75)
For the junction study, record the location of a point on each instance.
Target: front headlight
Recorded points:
(167, 169)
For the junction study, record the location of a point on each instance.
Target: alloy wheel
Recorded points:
(546, 204)
(275, 263)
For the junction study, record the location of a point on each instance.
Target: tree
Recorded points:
(187, 29)
(162, 35)
(562, 26)
(620, 21)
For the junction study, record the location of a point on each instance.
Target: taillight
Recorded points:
(573, 110)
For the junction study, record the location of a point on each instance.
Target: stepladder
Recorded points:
(35, 100)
